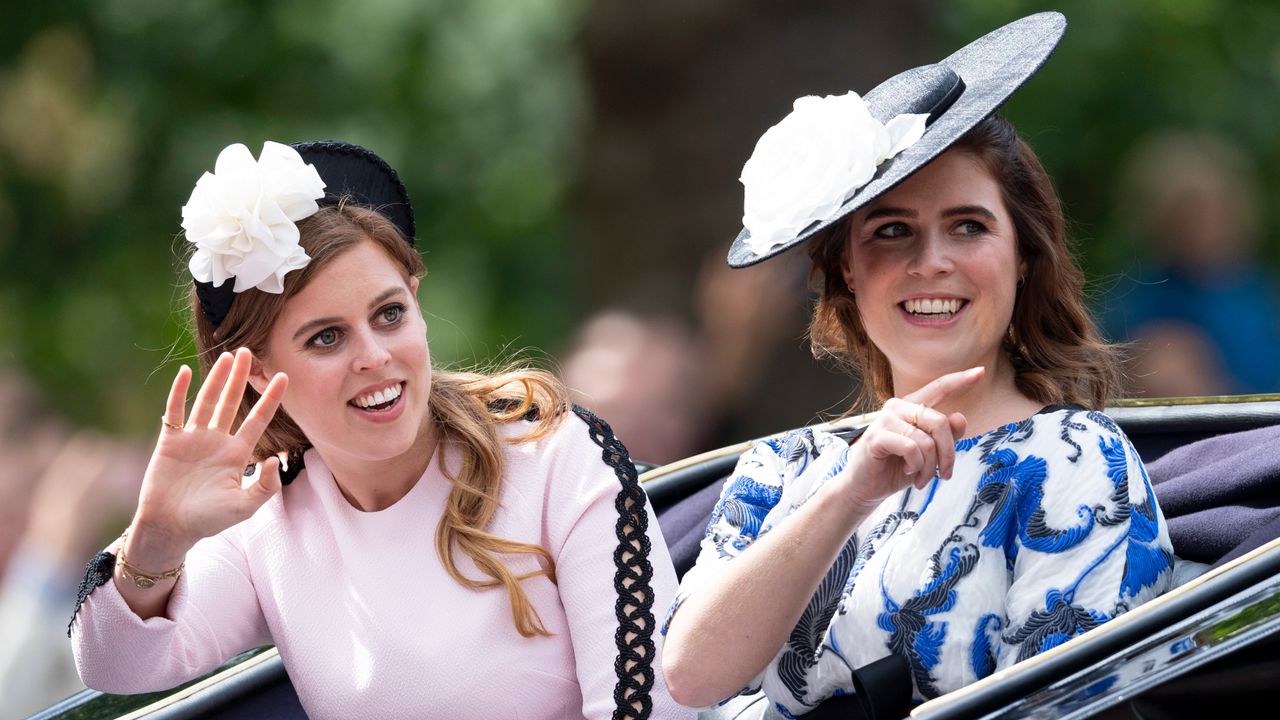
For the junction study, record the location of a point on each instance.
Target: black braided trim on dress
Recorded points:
(96, 574)
(634, 638)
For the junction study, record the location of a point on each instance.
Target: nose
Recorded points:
(371, 351)
(932, 257)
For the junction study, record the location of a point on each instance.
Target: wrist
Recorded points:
(850, 496)
(154, 547)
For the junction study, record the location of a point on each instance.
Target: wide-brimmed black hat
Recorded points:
(350, 173)
(956, 94)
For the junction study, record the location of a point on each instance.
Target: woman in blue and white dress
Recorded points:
(989, 511)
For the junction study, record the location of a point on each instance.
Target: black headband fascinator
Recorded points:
(353, 172)
(242, 217)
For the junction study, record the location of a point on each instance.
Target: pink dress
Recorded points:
(367, 621)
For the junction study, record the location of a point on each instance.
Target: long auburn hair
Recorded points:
(466, 407)
(1057, 353)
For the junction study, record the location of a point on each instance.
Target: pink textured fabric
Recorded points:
(368, 622)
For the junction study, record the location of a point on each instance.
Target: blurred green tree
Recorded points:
(110, 110)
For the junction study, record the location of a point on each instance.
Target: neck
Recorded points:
(993, 401)
(373, 485)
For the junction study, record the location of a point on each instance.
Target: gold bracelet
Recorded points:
(142, 580)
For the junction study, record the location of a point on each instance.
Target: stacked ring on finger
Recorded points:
(912, 423)
(171, 426)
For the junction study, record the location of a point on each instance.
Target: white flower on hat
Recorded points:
(242, 217)
(805, 167)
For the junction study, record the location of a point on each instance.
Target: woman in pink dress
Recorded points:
(447, 543)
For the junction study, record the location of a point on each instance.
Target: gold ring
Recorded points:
(170, 425)
(915, 419)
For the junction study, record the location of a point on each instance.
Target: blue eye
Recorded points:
(971, 227)
(324, 338)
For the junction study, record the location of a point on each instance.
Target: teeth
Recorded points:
(381, 396)
(932, 306)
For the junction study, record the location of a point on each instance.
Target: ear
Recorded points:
(258, 375)
(413, 285)
(846, 271)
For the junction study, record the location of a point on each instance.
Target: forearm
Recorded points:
(727, 632)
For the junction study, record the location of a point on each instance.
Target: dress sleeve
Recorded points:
(613, 573)
(1090, 543)
(771, 480)
(213, 615)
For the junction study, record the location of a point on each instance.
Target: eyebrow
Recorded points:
(889, 212)
(950, 212)
(321, 322)
(970, 210)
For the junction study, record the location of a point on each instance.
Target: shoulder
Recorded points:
(1062, 439)
(796, 446)
(1069, 425)
(777, 462)
(579, 450)
(574, 429)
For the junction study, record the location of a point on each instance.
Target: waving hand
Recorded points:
(193, 485)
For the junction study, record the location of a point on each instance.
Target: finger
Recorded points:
(958, 424)
(263, 410)
(903, 410)
(928, 453)
(225, 413)
(266, 484)
(202, 409)
(938, 426)
(268, 481)
(175, 409)
(944, 387)
(889, 444)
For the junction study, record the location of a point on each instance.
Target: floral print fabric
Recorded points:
(1047, 528)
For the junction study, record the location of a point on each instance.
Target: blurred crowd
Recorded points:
(63, 494)
(1199, 304)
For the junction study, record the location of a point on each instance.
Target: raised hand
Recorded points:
(908, 441)
(193, 485)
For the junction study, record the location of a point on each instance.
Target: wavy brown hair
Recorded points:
(466, 407)
(1057, 353)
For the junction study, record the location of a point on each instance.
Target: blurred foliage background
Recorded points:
(498, 115)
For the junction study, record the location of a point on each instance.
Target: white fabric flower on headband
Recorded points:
(242, 217)
(805, 167)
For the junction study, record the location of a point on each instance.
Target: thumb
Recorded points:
(266, 484)
(958, 425)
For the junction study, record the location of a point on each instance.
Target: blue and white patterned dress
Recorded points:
(1047, 528)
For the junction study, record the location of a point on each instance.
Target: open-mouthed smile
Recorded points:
(935, 309)
(379, 400)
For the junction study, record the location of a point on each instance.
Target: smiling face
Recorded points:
(934, 267)
(353, 343)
